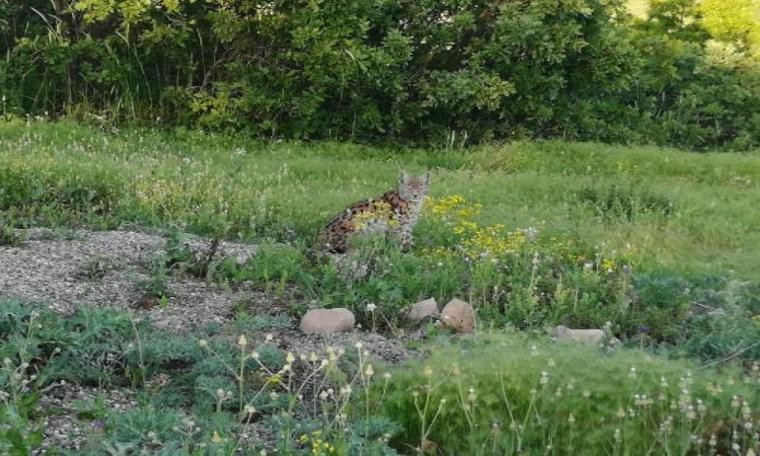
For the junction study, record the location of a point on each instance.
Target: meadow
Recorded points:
(691, 212)
(657, 245)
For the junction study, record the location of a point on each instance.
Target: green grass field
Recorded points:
(680, 210)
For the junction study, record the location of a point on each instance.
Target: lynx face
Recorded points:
(413, 188)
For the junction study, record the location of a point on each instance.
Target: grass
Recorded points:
(532, 234)
(66, 173)
(500, 393)
(529, 396)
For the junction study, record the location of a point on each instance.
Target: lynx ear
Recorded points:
(427, 178)
(403, 178)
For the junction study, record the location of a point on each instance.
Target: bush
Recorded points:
(724, 324)
(449, 72)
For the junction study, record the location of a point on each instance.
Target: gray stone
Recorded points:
(585, 336)
(163, 323)
(327, 321)
(422, 310)
(459, 315)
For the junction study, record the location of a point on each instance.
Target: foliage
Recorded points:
(195, 395)
(18, 434)
(725, 324)
(8, 236)
(507, 394)
(155, 288)
(450, 73)
(541, 394)
(735, 22)
(700, 90)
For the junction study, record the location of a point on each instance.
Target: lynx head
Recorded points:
(413, 188)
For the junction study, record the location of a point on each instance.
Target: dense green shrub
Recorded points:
(453, 71)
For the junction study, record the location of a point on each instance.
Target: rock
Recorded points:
(162, 324)
(422, 310)
(586, 336)
(459, 315)
(327, 321)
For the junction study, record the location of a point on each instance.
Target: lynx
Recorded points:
(395, 213)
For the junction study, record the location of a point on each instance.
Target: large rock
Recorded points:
(422, 310)
(327, 321)
(586, 336)
(459, 315)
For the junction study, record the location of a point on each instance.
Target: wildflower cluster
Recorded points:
(470, 238)
(493, 240)
(599, 259)
(453, 207)
(318, 446)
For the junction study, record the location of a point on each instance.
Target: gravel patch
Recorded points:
(104, 268)
(67, 423)
(377, 346)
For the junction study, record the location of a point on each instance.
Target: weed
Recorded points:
(59, 233)
(626, 203)
(177, 254)
(96, 268)
(155, 289)
(250, 324)
(9, 237)
(18, 434)
(91, 409)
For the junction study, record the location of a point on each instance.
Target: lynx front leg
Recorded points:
(406, 240)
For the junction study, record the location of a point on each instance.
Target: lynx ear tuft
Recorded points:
(427, 178)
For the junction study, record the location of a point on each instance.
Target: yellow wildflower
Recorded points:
(608, 265)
